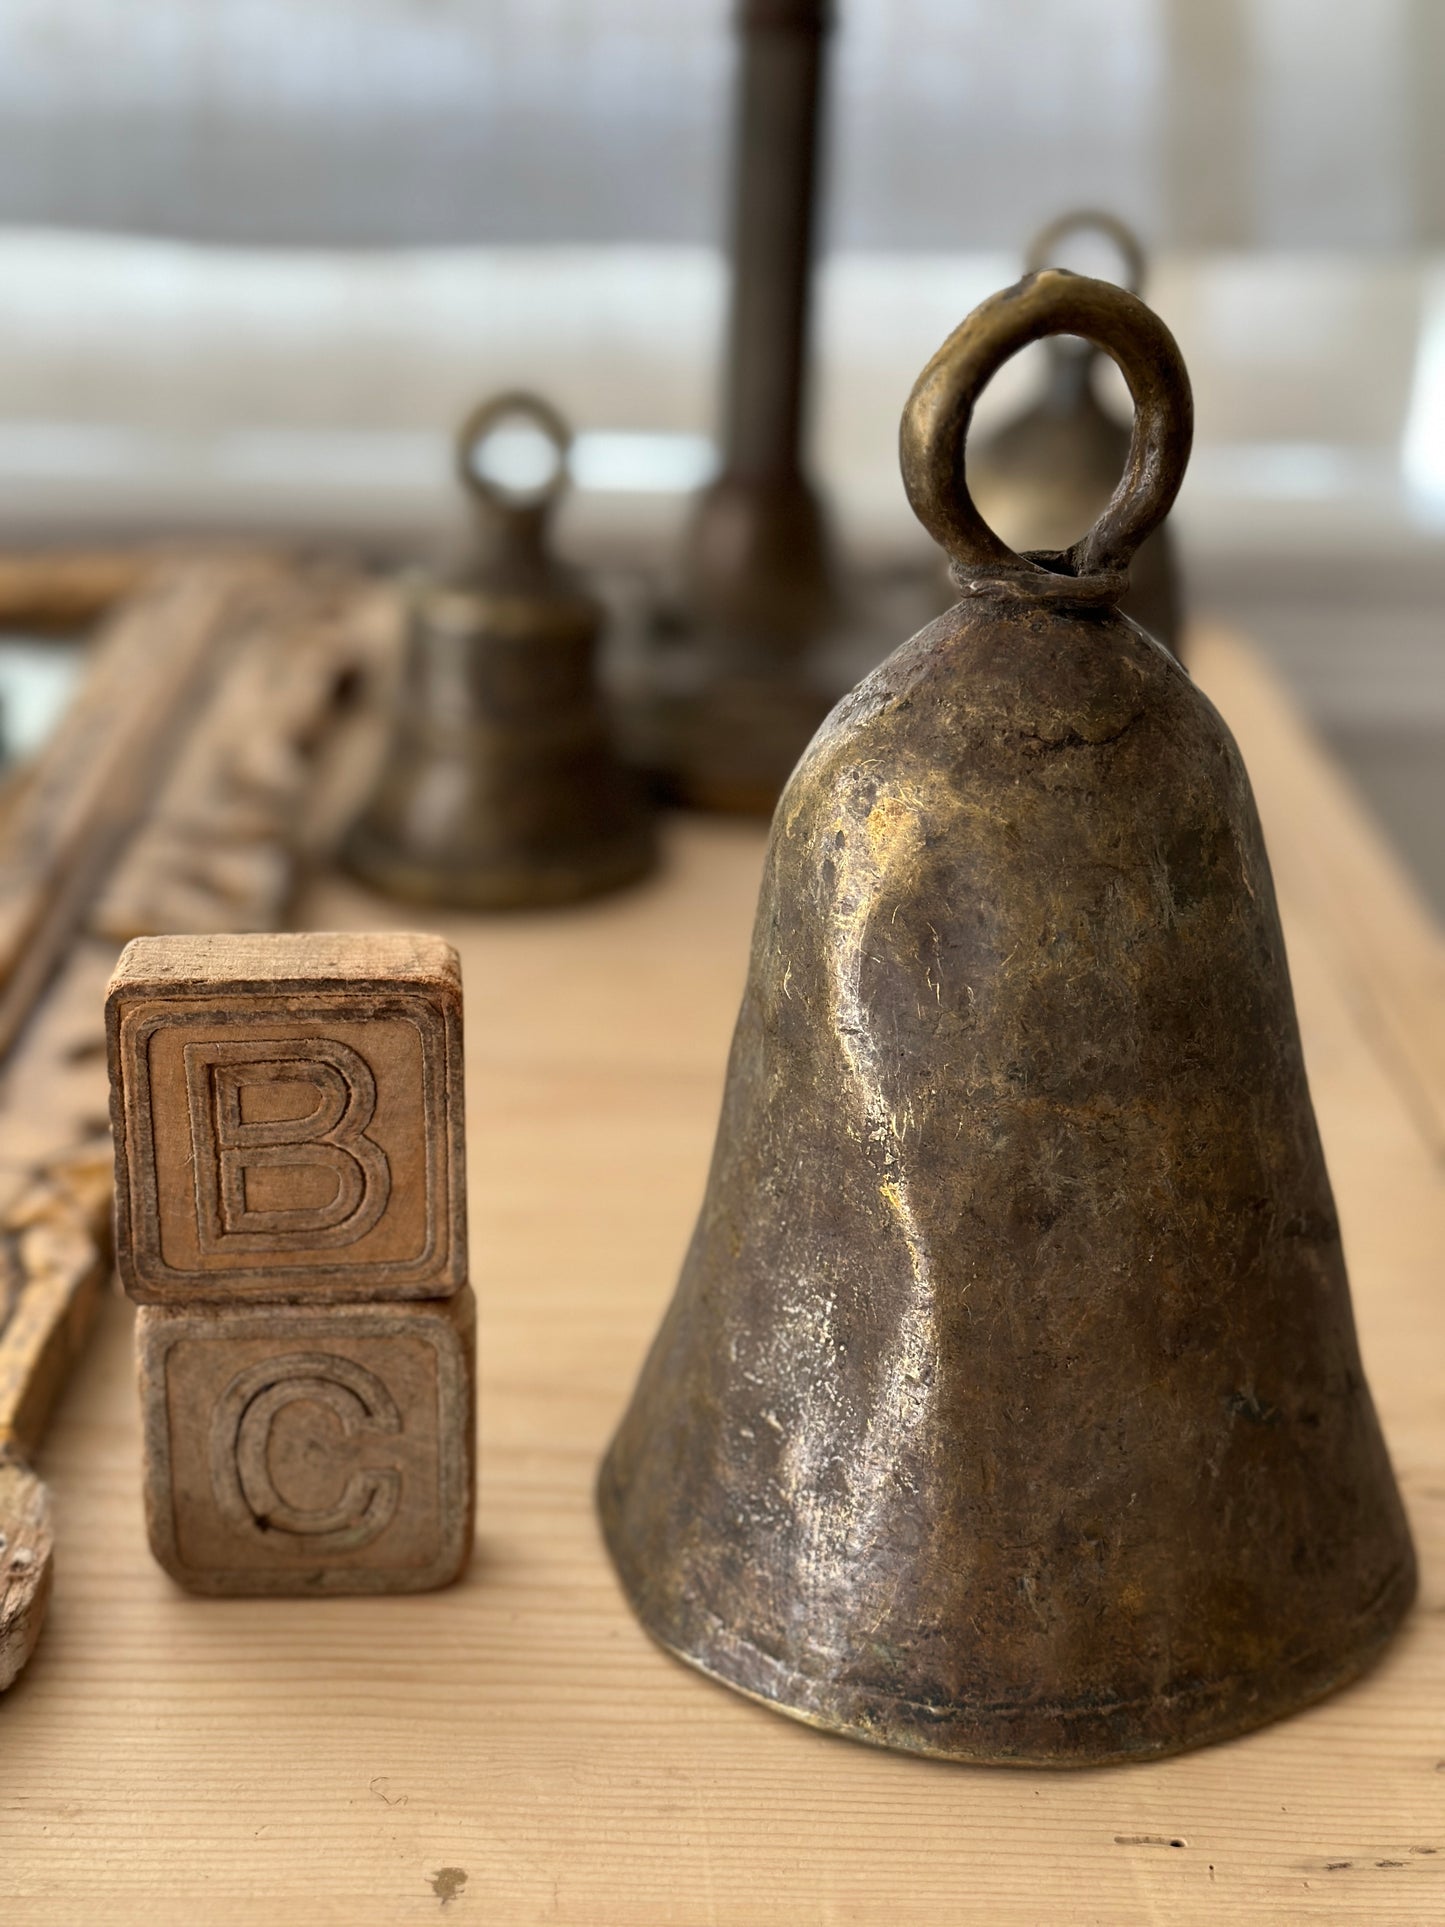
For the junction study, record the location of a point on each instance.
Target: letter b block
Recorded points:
(288, 1119)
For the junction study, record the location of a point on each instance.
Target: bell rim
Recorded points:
(1315, 1677)
(380, 864)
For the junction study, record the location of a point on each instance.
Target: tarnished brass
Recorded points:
(1049, 473)
(736, 688)
(501, 787)
(1009, 1407)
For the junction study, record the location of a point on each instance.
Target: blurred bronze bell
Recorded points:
(501, 787)
(1009, 1407)
(1050, 472)
(739, 676)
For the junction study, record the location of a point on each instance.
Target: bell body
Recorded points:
(501, 787)
(1009, 1407)
(1047, 475)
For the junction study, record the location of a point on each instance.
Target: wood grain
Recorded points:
(514, 1751)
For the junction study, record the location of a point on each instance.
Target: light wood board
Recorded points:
(515, 1751)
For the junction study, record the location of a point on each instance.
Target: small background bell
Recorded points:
(501, 787)
(1048, 474)
(1009, 1406)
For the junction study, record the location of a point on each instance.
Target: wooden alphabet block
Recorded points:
(309, 1449)
(287, 1115)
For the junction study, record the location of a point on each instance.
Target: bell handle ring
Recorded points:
(1089, 220)
(936, 422)
(521, 509)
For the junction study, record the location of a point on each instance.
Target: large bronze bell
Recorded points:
(1050, 472)
(501, 787)
(1009, 1406)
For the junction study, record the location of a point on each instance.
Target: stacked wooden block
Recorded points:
(291, 1218)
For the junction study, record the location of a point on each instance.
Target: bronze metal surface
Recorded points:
(737, 693)
(1049, 472)
(501, 788)
(1009, 1407)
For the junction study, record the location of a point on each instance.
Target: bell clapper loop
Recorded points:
(1089, 220)
(1072, 361)
(514, 509)
(939, 412)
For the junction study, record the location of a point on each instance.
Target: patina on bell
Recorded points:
(501, 787)
(1048, 474)
(1009, 1406)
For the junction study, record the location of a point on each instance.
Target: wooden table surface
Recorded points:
(515, 1750)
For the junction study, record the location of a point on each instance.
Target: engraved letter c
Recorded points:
(240, 1445)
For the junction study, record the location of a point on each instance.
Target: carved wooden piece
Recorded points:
(217, 847)
(288, 1118)
(56, 591)
(65, 820)
(180, 665)
(289, 1157)
(309, 1449)
(27, 1548)
(52, 1246)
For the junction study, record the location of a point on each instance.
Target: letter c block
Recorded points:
(301, 1449)
(287, 1113)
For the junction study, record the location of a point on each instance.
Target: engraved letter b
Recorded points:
(329, 1138)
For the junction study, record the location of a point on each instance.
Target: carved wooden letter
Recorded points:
(309, 1449)
(290, 1182)
(288, 1118)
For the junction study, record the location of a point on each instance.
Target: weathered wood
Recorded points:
(288, 1118)
(217, 847)
(54, 1239)
(56, 1185)
(60, 590)
(53, 1260)
(291, 1449)
(71, 812)
(211, 838)
(288, 1125)
(27, 1562)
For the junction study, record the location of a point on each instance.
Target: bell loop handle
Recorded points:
(936, 422)
(524, 508)
(1089, 220)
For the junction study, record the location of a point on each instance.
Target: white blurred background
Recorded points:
(257, 255)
